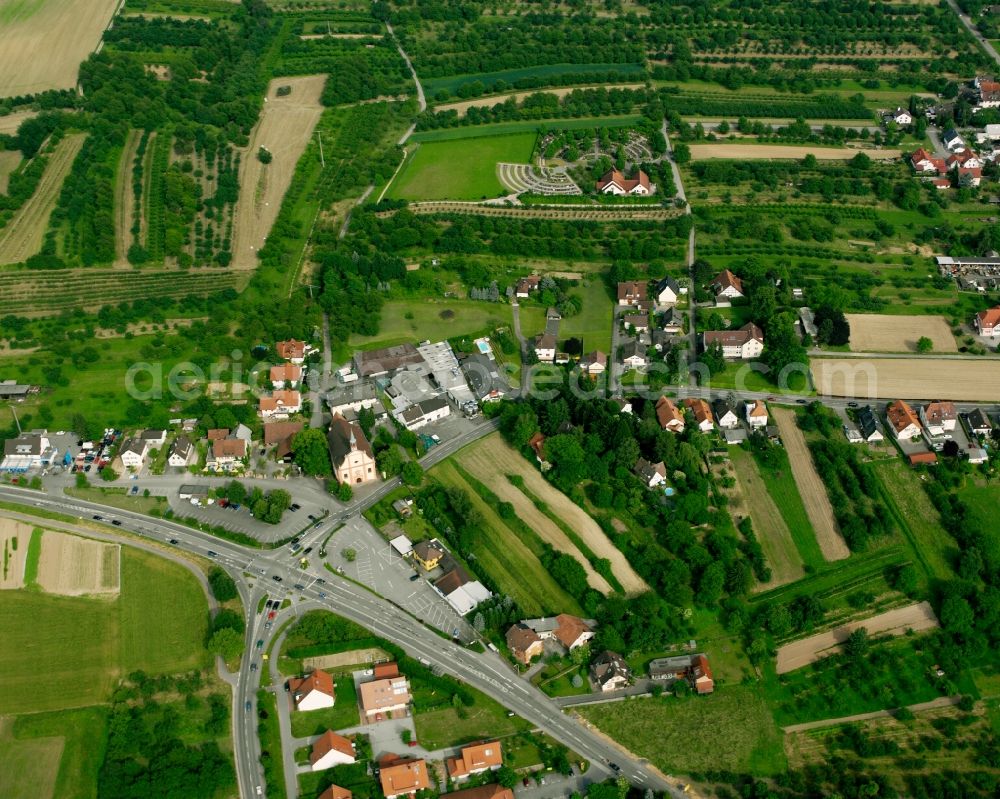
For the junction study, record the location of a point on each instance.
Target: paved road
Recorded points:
(939, 149)
(487, 672)
(693, 336)
(971, 28)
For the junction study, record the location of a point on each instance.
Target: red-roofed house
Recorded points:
(287, 373)
(669, 415)
(921, 161)
(292, 350)
(988, 322)
(594, 364)
(917, 458)
(524, 643)
(756, 413)
(614, 182)
(331, 750)
(969, 176)
(702, 413)
(402, 776)
(313, 692)
(280, 404)
(631, 292)
(475, 759)
(701, 675)
(939, 417)
(744, 343)
(902, 420)
(335, 792)
(964, 158)
(727, 285)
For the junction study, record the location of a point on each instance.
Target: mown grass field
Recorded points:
(437, 729)
(730, 729)
(593, 323)
(460, 170)
(343, 714)
(508, 560)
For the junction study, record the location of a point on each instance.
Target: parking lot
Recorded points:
(382, 569)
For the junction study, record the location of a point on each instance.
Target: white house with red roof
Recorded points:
(921, 161)
(969, 176)
(614, 182)
(988, 322)
(331, 750)
(742, 344)
(756, 412)
(964, 157)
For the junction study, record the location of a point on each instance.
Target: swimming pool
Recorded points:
(484, 347)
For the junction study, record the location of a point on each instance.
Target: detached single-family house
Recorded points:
(292, 350)
(989, 94)
(312, 692)
(287, 374)
(952, 140)
(702, 413)
(921, 161)
(694, 669)
(969, 176)
(280, 405)
(331, 750)
(902, 420)
(594, 363)
(631, 292)
(610, 672)
(351, 454)
(226, 454)
(900, 116)
(652, 474)
(460, 590)
(978, 422)
(964, 158)
(669, 415)
(666, 291)
(545, 347)
(988, 322)
(868, 425)
(938, 418)
(181, 452)
(725, 415)
(428, 554)
(526, 285)
(336, 792)
(634, 356)
(756, 412)
(614, 182)
(133, 453)
(424, 412)
(977, 455)
(727, 285)
(475, 759)
(154, 438)
(401, 776)
(638, 322)
(524, 643)
(672, 322)
(743, 344)
(389, 692)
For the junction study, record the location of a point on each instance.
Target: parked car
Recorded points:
(299, 587)
(116, 523)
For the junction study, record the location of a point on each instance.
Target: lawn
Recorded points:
(118, 498)
(593, 323)
(343, 714)
(687, 735)
(982, 502)
(460, 170)
(446, 727)
(434, 319)
(741, 377)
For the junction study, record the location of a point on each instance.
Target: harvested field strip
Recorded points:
(573, 213)
(9, 161)
(14, 544)
(773, 534)
(488, 102)
(124, 195)
(33, 558)
(914, 378)
(492, 456)
(32, 293)
(74, 566)
(702, 152)
(801, 653)
(11, 122)
(811, 489)
(889, 333)
(22, 236)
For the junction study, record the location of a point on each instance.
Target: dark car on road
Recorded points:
(116, 523)
(276, 578)
(260, 643)
(174, 541)
(248, 706)
(299, 587)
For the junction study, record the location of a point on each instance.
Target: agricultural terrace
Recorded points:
(881, 333)
(915, 378)
(65, 31)
(285, 126)
(464, 169)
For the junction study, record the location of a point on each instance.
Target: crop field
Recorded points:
(22, 236)
(14, 538)
(492, 456)
(511, 562)
(9, 161)
(882, 333)
(45, 41)
(918, 617)
(11, 122)
(811, 489)
(683, 735)
(28, 768)
(768, 524)
(74, 566)
(285, 126)
(460, 170)
(913, 378)
(702, 152)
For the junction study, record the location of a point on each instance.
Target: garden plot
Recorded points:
(886, 333)
(74, 566)
(701, 152)
(285, 126)
(918, 617)
(914, 378)
(520, 178)
(14, 538)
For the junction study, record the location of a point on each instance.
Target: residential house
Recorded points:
(154, 438)
(989, 94)
(978, 422)
(289, 374)
(491, 791)
(545, 347)
(475, 759)
(570, 632)
(292, 350)
(428, 554)
(623, 404)
(279, 435)
(941, 183)
(631, 292)
(661, 340)
(903, 422)
(384, 695)
(756, 413)
(526, 285)
(634, 356)
(666, 291)
(637, 322)
(744, 343)
(614, 182)
(694, 669)
(460, 590)
(217, 433)
(422, 413)
(900, 116)
(353, 398)
(672, 322)
(952, 140)
(280, 405)
(868, 425)
(988, 322)
(725, 415)
(400, 776)
(331, 750)
(524, 643)
(652, 474)
(969, 176)
(702, 413)
(27, 451)
(312, 692)
(977, 455)
(610, 672)
(922, 458)
(965, 158)
(226, 454)
(921, 161)
(133, 453)
(728, 286)
(336, 792)
(595, 363)
(351, 454)
(938, 418)
(181, 452)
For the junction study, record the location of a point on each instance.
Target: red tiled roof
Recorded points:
(624, 183)
(901, 416)
(319, 680)
(287, 371)
(329, 741)
(667, 412)
(701, 410)
(990, 317)
(290, 349)
(569, 629)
